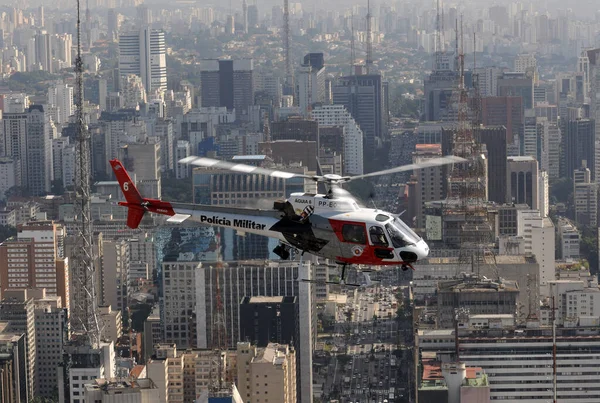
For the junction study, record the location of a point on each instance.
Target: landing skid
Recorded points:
(405, 266)
(342, 281)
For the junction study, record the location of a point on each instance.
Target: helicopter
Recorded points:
(331, 225)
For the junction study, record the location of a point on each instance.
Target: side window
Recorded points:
(377, 236)
(354, 233)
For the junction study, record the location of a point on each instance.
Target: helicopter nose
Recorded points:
(422, 249)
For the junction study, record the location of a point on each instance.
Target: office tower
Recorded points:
(39, 151)
(525, 63)
(550, 148)
(548, 111)
(60, 98)
(81, 365)
(144, 15)
(363, 96)
(275, 363)
(143, 53)
(16, 308)
(530, 137)
(228, 83)
(295, 128)
(494, 138)
(270, 84)
(183, 150)
(583, 67)
(12, 362)
(503, 111)
(311, 82)
(51, 334)
(112, 23)
(143, 160)
(265, 320)
(111, 323)
(338, 115)
(517, 84)
(39, 249)
(578, 146)
(522, 181)
(43, 51)
(40, 17)
(539, 240)
(252, 16)
(13, 143)
(429, 183)
(585, 195)
(439, 87)
(487, 80)
(7, 175)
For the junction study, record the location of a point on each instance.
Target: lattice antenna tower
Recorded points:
(219, 324)
(84, 318)
(369, 61)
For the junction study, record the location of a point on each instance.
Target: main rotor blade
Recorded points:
(434, 162)
(243, 168)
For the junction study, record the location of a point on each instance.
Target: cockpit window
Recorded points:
(400, 234)
(396, 236)
(382, 217)
(354, 233)
(377, 236)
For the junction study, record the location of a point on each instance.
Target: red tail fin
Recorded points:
(135, 202)
(129, 190)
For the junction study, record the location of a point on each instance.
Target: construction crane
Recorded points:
(84, 318)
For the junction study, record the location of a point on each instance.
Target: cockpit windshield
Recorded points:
(400, 234)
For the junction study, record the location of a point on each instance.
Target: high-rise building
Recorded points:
(439, 88)
(579, 144)
(143, 53)
(364, 97)
(265, 320)
(252, 16)
(311, 82)
(295, 128)
(338, 115)
(585, 195)
(494, 138)
(51, 334)
(540, 241)
(113, 279)
(183, 150)
(7, 175)
(275, 363)
(43, 51)
(569, 240)
(522, 181)
(16, 308)
(228, 83)
(60, 98)
(35, 259)
(504, 111)
(132, 91)
(515, 85)
(39, 151)
(143, 160)
(13, 361)
(429, 183)
(487, 80)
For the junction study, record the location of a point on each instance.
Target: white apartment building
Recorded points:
(60, 98)
(143, 53)
(543, 193)
(332, 115)
(519, 363)
(7, 175)
(182, 151)
(539, 238)
(569, 240)
(577, 303)
(111, 324)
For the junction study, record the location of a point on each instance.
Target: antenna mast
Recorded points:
(369, 61)
(84, 317)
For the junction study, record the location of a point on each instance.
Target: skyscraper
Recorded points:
(60, 97)
(39, 151)
(363, 96)
(522, 181)
(311, 82)
(228, 83)
(43, 51)
(494, 138)
(143, 53)
(578, 146)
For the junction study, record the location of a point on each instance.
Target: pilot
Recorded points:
(377, 236)
(357, 234)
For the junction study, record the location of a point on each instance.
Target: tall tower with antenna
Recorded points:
(289, 75)
(84, 317)
(369, 61)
